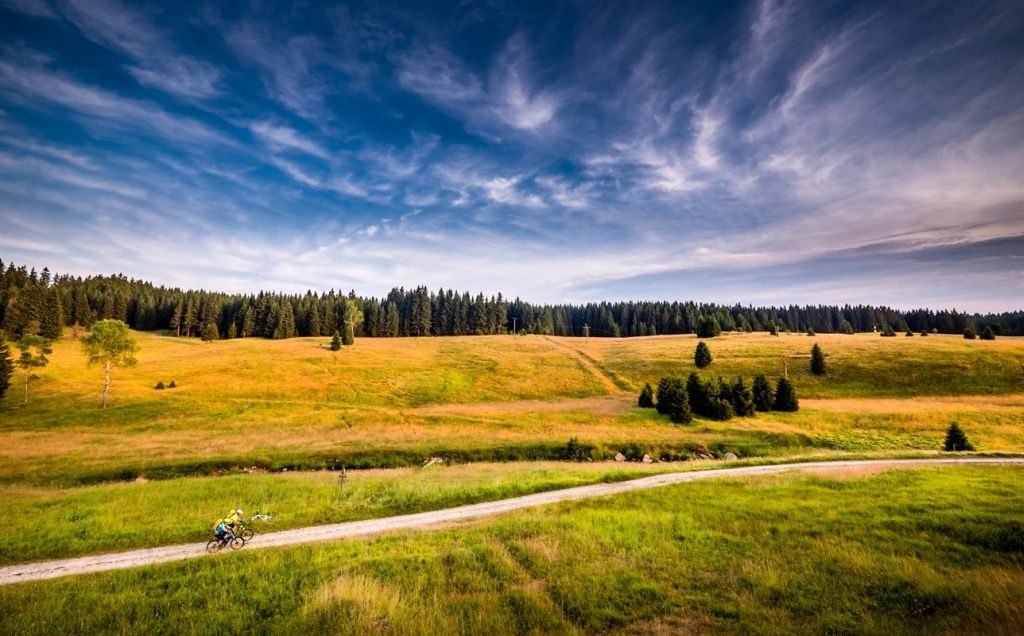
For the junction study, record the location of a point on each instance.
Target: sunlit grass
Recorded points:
(924, 551)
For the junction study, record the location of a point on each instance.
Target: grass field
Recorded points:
(917, 551)
(393, 402)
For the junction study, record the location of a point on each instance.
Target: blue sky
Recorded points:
(764, 152)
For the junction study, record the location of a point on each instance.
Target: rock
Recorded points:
(141, 480)
(730, 457)
(647, 459)
(619, 457)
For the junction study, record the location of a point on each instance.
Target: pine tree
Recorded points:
(708, 327)
(210, 333)
(702, 355)
(956, 439)
(698, 393)
(817, 361)
(673, 401)
(764, 395)
(232, 331)
(785, 397)
(52, 319)
(336, 342)
(646, 400)
(742, 399)
(6, 365)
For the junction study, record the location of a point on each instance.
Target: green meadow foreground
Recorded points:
(937, 550)
(393, 402)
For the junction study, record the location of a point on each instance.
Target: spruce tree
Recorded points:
(742, 399)
(697, 392)
(702, 355)
(210, 333)
(336, 342)
(764, 395)
(6, 365)
(988, 334)
(817, 361)
(956, 439)
(708, 327)
(52, 319)
(969, 334)
(646, 400)
(673, 401)
(810, 331)
(775, 329)
(785, 397)
(663, 389)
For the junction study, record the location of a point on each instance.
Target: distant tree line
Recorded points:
(34, 302)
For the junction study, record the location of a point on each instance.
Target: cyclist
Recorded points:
(227, 523)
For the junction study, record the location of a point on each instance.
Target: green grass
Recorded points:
(42, 523)
(916, 551)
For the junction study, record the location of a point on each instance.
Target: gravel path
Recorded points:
(151, 556)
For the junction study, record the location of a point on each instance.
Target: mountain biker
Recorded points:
(227, 523)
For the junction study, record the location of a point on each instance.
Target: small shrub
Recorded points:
(810, 331)
(159, 386)
(969, 334)
(775, 329)
(924, 333)
(910, 334)
(817, 361)
(172, 385)
(719, 409)
(336, 342)
(576, 452)
(887, 331)
(646, 400)
(956, 439)
(988, 334)
(702, 355)
(785, 397)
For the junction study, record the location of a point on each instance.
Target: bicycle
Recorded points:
(245, 533)
(229, 539)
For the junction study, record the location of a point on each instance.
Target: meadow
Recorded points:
(395, 402)
(941, 552)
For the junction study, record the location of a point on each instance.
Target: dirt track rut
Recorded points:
(151, 556)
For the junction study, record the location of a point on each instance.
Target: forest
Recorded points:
(45, 303)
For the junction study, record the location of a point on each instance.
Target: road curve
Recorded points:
(150, 556)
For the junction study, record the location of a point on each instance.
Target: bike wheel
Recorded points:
(213, 546)
(247, 534)
(237, 542)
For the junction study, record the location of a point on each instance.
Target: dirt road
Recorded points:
(151, 556)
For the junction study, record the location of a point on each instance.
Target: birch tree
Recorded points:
(109, 344)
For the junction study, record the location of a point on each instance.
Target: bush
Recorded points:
(924, 333)
(702, 355)
(785, 397)
(887, 331)
(988, 334)
(210, 333)
(764, 395)
(910, 334)
(817, 361)
(708, 327)
(719, 409)
(576, 452)
(810, 331)
(159, 386)
(172, 385)
(969, 334)
(336, 342)
(646, 400)
(775, 329)
(956, 439)
(673, 400)
(742, 399)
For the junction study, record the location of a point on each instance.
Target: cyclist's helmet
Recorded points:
(238, 512)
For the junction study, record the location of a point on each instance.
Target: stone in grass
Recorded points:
(647, 459)
(619, 457)
(730, 457)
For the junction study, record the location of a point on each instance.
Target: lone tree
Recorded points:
(646, 400)
(673, 401)
(764, 395)
(708, 327)
(336, 342)
(785, 397)
(702, 356)
(817, 361)
(110, 344)
(34, 350)
(6, 365)
(956, 440)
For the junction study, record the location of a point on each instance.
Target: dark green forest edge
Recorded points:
(32, 302)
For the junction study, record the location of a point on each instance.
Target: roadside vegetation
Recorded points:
(940, 552)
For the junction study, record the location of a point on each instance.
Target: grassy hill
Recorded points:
(388, 402)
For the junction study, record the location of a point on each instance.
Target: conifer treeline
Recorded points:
(32, 302)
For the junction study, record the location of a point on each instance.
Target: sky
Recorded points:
(767, 152)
